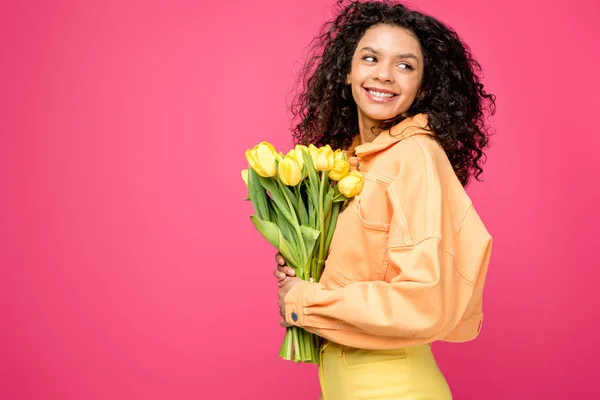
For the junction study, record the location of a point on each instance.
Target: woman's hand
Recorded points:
(288, 283)
(282, 271)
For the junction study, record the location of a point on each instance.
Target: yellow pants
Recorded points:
(411, 373)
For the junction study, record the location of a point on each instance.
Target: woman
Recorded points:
(409, 256)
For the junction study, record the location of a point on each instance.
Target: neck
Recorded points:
(366, 128)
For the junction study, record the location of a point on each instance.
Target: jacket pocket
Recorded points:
(378, 226)
(375, 236)
(358, 250)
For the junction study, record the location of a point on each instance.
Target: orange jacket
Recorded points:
(409, 255)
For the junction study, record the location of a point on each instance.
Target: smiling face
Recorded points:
(386, 74)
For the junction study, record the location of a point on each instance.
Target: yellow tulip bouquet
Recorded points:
(297, 199)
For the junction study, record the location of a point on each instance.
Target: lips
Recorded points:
(380, 95)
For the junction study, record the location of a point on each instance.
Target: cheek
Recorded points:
(356, 88)
(411, 87)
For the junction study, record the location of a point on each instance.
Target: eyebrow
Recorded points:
(403, 55)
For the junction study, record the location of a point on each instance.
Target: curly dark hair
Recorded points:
(452, 95)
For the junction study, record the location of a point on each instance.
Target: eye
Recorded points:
(405, 65)
(369, 58)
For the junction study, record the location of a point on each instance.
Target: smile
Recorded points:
(379, 96)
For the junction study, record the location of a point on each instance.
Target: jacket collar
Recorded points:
(411, 126)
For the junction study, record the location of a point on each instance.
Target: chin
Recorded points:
(380, 117)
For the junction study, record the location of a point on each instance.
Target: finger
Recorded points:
(289, 271)
(279, 274)
(284, 324)
(283, 282)
(279, 259)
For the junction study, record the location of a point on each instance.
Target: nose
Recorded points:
(383, 73)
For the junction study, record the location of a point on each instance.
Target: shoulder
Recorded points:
(426, 185)
(420, 157)
(420, 149)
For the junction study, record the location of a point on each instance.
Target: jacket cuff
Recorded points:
(294, 302)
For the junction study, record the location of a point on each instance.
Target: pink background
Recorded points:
(129, 268)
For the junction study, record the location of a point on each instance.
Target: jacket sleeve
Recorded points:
(428, 295)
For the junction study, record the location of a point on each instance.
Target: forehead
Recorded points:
(390, 39)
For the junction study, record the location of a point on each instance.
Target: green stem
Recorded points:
(297, 350)
(324, 181)
(306, 350)
(300, 346)
(296, 225)
(331, 224)
(286, 347)
(315, 349)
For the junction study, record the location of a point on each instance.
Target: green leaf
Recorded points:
(257, 194)
(313, 178)
(277, 196)
(331, 226)
(340, 198)
(310, 237)
(271, 232)
(287, 230)
(325, 179)
(328, 201)
(289, 194)
(312, 218)
(301, 209)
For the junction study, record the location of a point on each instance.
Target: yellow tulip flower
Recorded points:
(297, 155)
(351, 184)
(312, 150)
(289, 172)
(340, 155)
(262, 159)
(341, 168)
(245, 176)
(324, 159)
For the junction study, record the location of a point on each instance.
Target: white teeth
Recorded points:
(380, 94)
